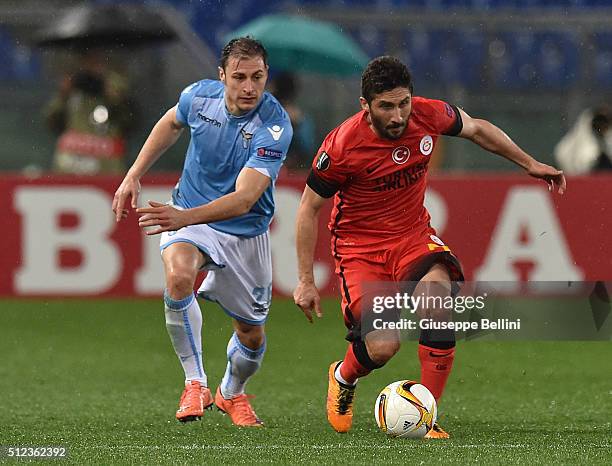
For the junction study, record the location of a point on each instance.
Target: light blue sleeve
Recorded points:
(269, 148)
(184, 104)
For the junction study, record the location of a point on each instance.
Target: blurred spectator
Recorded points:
(91, 115)
(587, 147)
(284, 87)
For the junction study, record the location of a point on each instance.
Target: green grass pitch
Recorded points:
(100, 377)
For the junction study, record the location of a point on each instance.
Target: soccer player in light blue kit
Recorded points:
(218, 220)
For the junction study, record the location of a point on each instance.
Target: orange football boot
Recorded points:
(339, 402)
(194, 400)
(239, 409)
(437, 432)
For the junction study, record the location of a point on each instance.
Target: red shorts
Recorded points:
(402, 260)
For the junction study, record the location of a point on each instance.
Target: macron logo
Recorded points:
(276, 132)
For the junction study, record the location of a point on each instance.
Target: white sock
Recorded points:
(242, 363)
(340, 379)
(184, 324)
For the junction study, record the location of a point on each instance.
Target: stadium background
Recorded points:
(530, 66)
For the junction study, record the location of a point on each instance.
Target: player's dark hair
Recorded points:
(243, 47)
(384, 74)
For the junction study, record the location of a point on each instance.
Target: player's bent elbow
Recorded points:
(244, 208)
(245, 204)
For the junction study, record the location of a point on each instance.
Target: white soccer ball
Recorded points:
(405, 409)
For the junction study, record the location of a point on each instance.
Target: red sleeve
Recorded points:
(445, 117)
(329, 168)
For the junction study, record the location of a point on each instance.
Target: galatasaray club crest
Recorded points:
(426, 145)
(437, 240)
(400, 155)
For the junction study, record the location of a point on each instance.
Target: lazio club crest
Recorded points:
(246, 138)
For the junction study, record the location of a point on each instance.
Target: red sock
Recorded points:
(436, 365)
(351, 369)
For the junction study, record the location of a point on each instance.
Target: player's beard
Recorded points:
(384, 130)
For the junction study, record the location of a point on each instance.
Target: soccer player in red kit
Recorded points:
(375, 165)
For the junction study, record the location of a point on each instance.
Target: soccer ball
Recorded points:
(405, 409)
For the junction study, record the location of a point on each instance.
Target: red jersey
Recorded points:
(379, 184)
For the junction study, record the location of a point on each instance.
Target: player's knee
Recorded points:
(439, 315)
(435, 288)
(251, 336)
(179, 282)
(382, 350)
(437, 274)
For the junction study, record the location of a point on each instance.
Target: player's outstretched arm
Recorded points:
(163, 135)
(490, 137)
(306, 296)
(250, 185)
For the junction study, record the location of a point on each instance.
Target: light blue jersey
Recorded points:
(223, 144)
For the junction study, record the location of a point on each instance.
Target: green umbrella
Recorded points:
(295, 43)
